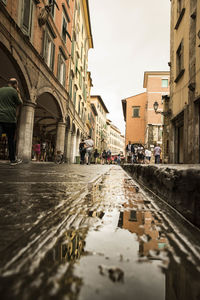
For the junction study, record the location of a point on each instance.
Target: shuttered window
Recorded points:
(61, 69)
(27, 16)
(49, 49)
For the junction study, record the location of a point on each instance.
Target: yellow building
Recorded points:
(78, 78)
(184, 128)
(101, 125)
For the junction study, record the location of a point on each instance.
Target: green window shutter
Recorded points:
(70, 87)
(52, 57)
(58, 68)
(44, 52)
(72, 50)
(64, 75)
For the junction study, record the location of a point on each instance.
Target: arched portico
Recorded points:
(12, 66)
(49, 127)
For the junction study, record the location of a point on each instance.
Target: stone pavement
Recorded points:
(91, 232)
(35, 192)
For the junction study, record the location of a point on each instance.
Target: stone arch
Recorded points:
(12, 66)
(47, 90)
(48, 123)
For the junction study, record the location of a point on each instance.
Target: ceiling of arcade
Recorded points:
(47, 115)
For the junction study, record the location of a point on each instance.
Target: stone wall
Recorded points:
(179, 186)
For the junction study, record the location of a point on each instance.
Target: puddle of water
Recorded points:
(121, 249)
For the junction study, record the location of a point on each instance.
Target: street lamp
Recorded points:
(164, 113)
(155, 106)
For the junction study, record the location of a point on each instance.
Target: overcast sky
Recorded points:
(130, 37)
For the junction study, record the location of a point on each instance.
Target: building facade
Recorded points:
(35, 47)
(115, 139)
(144, 125)
(101, 141)
(157, 86)
(184, 133)
(134, 110)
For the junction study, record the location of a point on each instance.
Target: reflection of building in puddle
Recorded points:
(95, 192)
(70, 246)
(96, 214)
(146, 227)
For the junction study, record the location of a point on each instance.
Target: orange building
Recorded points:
(143, 124)
(134, 110)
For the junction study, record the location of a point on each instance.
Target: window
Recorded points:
(79, 105)
(74, 98)
(64, 29)
(27, 16)
(65, 21)
(52, 7)
(136, 111)
(179, 62)
(70, 86)
(164, 83)
(179, 7)
(49, 49)
(61, 69)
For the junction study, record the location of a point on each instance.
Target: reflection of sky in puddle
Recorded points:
(120, 242)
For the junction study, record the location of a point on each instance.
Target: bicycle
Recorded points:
(59, 158)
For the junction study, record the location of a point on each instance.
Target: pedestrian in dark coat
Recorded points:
(10, 99)
(82, 150)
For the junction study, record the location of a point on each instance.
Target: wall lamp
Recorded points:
(164, 113)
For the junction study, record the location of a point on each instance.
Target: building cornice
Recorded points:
(88, 24)
(101, 102)
(154, 73)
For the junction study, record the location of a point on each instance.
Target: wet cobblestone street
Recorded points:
(91, 232)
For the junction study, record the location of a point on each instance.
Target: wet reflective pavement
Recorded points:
(110, 240)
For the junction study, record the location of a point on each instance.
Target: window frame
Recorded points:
(26, 28)
(49, 37)
(179, 61)
(135, 108)
(61, 66)
(165, 80)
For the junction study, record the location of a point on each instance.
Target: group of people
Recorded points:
(40, 151)
(138, 154)
(86, 153)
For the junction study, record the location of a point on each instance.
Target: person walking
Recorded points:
(89, 143)
(128, 152)
(109, 156)
(157, 152)
(10, 100)
(96, 155)
(82, 151)
(147, 156)
(103, 157)
(37, 150)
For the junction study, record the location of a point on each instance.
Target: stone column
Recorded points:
(72, 148)
(67, 145)
(60, 137)
(25, 136)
